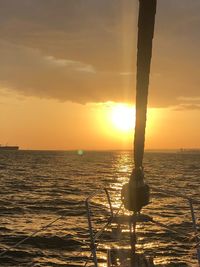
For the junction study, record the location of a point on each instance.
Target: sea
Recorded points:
(42, 200)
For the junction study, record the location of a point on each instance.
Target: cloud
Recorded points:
(188, 107)
(189, 99)
(85, 50)
(29, 72)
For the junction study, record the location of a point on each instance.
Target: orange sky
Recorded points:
(36, 123)
(60, 78)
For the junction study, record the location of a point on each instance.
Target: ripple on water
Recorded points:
(38, 186)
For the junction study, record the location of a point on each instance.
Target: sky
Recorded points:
(68, 67)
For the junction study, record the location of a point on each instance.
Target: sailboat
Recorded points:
(136, 193)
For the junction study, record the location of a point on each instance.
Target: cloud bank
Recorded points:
(85, 50)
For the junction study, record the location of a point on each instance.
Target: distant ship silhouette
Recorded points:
(9, 147)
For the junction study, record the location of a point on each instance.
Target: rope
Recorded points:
(146, 23)
(33, 234)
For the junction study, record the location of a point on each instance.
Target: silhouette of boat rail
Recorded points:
(112, 230)
(117, 222)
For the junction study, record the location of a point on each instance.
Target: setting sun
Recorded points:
(123, 117)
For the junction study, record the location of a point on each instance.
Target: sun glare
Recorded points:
(123, 117)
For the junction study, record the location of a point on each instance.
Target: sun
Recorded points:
(123, 117)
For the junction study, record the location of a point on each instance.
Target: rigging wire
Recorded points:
(33, 234)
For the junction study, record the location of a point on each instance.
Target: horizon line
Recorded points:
(119, 149)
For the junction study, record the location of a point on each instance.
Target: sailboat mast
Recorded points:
(135, 194)
(146, 22)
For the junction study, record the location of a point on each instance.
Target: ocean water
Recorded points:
(37, 187)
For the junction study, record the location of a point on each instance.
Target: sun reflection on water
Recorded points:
(151, 238)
